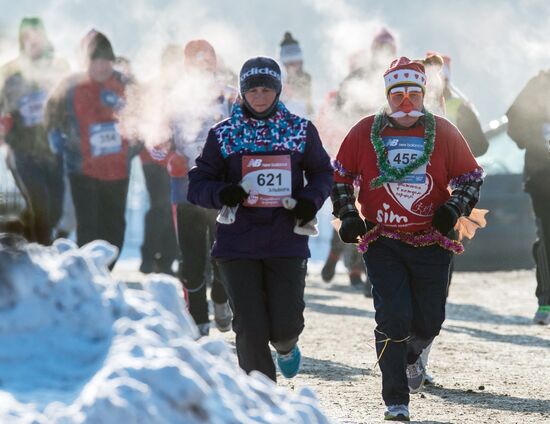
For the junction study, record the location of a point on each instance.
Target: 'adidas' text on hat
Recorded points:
(260, 71)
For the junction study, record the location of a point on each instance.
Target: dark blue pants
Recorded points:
(43, 182)
(99, 206)
(541, 249)
(160, 247)
(196, 228)
(409, 291)
(267, 298)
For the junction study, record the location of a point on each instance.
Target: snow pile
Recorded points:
(76, 347)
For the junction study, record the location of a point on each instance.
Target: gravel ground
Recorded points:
(490, 363)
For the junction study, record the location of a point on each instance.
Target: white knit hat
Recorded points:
(290, 50)
(403, 71)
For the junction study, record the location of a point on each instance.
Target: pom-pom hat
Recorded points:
(384, 38)
(403, 71)
(290, 50)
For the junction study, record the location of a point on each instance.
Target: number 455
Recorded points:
(405, 158)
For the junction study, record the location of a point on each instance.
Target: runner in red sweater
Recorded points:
(83, 120)
(404, 158)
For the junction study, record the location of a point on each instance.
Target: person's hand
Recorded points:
(352, 227)
(304, 211)
(444, 219)
(232, 195)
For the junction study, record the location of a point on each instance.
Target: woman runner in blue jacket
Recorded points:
(262, 255)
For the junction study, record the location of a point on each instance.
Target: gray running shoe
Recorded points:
(397, 413)
(416, 374)
(223, 316)
(428, 379)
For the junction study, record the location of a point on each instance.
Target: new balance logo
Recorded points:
(254, 163)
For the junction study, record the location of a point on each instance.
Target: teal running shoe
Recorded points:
(289, 364)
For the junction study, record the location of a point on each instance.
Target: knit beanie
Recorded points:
(404, 71)
(260, 71)
(36, 25)
(96, 45)
(290, 50)
(384, 38)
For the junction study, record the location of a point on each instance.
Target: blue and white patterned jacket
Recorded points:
(261, 232)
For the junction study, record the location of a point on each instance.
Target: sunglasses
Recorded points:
(399, 94)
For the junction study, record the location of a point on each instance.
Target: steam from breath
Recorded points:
(347, 37)
(169, 92)
(433, 98)
(162, 93)
(152, 108)
(505, 44)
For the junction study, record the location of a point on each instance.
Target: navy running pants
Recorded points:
(409, 292)
(267, 298)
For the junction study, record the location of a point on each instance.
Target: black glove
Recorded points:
(352, 227)
(444, 219)
(232, 195)
(305, 211)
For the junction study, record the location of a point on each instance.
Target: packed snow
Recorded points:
(76, 346)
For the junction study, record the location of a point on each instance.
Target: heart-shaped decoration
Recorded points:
(412, 196)
(416, 76)
(406, 74)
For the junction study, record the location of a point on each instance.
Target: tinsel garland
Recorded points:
(474, 176)
(419, 239)
(387, 172)
(339, 168)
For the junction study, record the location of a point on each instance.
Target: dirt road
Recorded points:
(490, 364)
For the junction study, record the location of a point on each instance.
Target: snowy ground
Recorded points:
(490, 363)
(76, 346)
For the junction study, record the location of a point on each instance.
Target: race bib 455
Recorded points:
(405, 150)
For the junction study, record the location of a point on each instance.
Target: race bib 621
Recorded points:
(270, 179)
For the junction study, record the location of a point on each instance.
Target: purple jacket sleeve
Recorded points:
(317, 168)
(206, 178)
